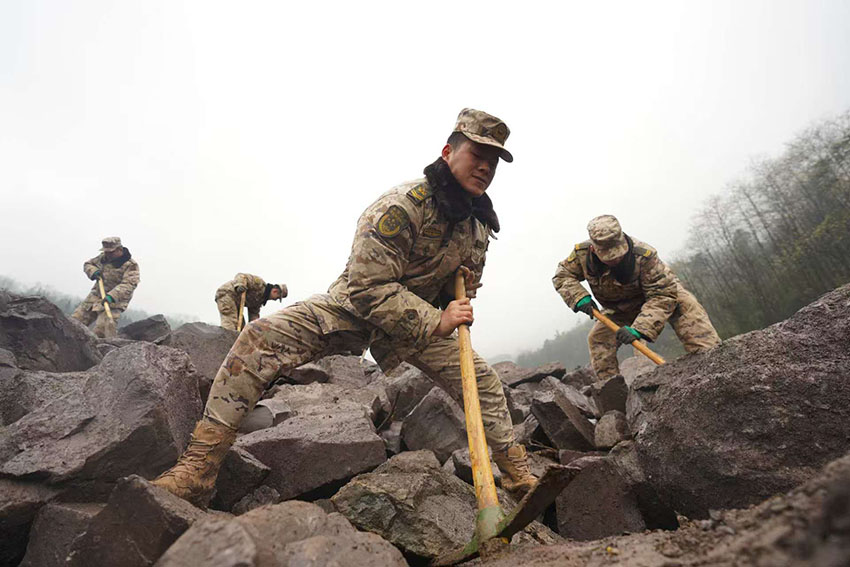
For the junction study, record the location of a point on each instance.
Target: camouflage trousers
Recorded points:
(88, 312)
(228, 309)
(270, 346)
(689, 320)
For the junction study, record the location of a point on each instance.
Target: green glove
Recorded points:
(626, 335)
(95, 275)
(109, 299)
(586, 305)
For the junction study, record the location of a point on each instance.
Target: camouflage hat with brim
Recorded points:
(110, 243)
(609, 242)
(484, 128)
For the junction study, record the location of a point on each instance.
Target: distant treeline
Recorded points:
(67, 303)
(775, 240)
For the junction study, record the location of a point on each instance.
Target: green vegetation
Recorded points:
(774, 241)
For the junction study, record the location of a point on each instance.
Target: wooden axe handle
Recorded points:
(637, 344)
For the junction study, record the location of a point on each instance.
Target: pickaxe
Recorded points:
(494, 529)
(241, 310)
(103, 298)
(639, 346)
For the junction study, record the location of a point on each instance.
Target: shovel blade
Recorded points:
(550, 485)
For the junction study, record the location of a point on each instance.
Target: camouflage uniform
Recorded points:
(120, 278)
(228, 299)
(645, 299)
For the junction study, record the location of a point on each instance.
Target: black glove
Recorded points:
(95, 275)
(586, 305)
(241, 289)
(626, 335)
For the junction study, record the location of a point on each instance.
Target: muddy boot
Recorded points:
(193, 477)
(513, 462)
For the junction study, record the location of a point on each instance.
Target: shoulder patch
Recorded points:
(582, 246)
(645, 252)
(419, 193)
(393, 222)
(572, 256)
(432, 232)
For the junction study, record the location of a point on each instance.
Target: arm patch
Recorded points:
(393, 222)
(419, 193)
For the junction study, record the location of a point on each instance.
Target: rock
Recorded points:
(133, 413)
(561, 418)
(54, 530)
(328, 398)
(597, 503)
(755, 416)
(307, 374)
(463, 467)
(287, 534)
(529, 432)
(519, 403)
(240, 473)
(611, 429)
(23, 391)
(579, 378)
(635, 366)
(567, 456)
(19, 503)
(405, 388)
(7, 359)
(206, 345)
(437, 424)
(610, 395)
(349, 371)
(316, 450)
(418, 507)
(267, 413)
(513, 375)
(262, 496)
(392, 438)
(656, 513)
(41, 337)
(149, 329)
(140, 521)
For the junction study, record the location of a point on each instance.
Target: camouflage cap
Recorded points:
(484, 128)
(111, 243)
(609, 242)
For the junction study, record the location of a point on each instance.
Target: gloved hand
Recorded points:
(626, 335)
(241, 289)
(586, 305)
(109, 299)
(95, 275)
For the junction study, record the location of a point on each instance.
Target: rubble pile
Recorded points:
(717, 455)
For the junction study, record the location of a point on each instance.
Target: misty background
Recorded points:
(218, 138)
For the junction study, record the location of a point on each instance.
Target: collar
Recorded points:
(454, 202)
(622, 272)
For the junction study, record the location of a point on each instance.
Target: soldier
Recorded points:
(257, 293)
(407, 246)
(120, 275)
(637, 290)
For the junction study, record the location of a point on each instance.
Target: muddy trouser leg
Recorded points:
(84, 314)
(602, 343)
(266, 348)
(692, 325)
(440, 361)
(104, 327)
(228, 310)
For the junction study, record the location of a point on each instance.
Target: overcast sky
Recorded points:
(218, 137)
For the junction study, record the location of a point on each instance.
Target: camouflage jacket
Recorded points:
(405, 252)
(649, 287)
(120, 278)
(255, 296)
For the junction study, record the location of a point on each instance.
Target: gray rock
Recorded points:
(328, 398)
(519, 403)
(513, 375)
(23, 391)
(579, 378)
(349, 371)
(206, 345)
(392, 438)
(7, 359)
(134, 413)
(405, 388)
(561, 419)
(635, 366)
(267, 413)
(19, 504)
(307, 374)
(140, 521)
(150, 329)
(41, 337)
(55, 528)
(463, 467)
(436, 424)
(241, 472)
(315, 450)
(261, 496)
(611, 429)
(610, 395)
(753, 417)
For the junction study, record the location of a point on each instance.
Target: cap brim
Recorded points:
(505, 155)
(105, 249)
(612, 253)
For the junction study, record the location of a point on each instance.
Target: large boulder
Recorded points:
(421, 509)
(42, 338)
(132, 414)
(561, 411)
(290, 534)
(319, 449)
(150, 329)
(405, 387)
(324, 398)
(54, 530)
(19, 503)
(23, 391)
(140, 521)
(755, 416)
(206, 345)
(437, 423)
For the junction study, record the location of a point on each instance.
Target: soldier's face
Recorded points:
(112, 254)
(473, 165)
(274, 294)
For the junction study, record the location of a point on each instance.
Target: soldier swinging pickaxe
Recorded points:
(494, 529)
